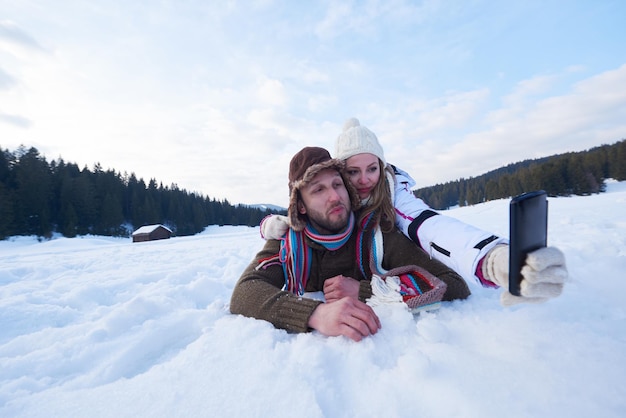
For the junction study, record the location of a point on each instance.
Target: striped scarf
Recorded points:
(372, 243)
(295, 255)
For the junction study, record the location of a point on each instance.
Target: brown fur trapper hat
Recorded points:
(304, 166)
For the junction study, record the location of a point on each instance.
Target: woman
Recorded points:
(458, 245)
(475, 254)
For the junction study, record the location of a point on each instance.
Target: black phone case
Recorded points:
(528, 231)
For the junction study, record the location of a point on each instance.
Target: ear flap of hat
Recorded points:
(296, 219)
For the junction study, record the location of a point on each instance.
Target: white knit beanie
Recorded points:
(356, 139)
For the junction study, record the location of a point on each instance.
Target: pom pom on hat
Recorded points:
(356, 139)
(351, 123)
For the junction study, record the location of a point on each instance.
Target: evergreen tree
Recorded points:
(69, 226)
(5, 169)
(32, 193)
(6, 212)
(617, 161)
(111, 216)
(6, 198)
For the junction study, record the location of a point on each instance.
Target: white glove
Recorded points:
(543, 274)
(274, 226)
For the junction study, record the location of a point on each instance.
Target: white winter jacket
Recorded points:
(455, 243)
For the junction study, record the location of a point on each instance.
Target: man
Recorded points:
(321, 252)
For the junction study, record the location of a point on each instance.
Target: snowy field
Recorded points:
(101, 327)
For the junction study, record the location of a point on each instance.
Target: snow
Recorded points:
(102, 327)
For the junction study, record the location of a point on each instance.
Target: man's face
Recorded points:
(326, 202)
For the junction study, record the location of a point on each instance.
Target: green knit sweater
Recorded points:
(258, 292)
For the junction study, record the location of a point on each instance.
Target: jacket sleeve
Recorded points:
(401, 251)
(458, 245)
(258, 294)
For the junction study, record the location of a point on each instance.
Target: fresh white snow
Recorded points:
(102, 327)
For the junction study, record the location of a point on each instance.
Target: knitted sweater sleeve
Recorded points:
(401, 251)
(258, 294)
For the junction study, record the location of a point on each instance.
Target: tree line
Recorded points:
(40, 198)
(574, 173)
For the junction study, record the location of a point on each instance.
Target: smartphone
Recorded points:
(528, 231)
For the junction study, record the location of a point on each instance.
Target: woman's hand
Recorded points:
(544, 274)
(274, 226)
(339, 287)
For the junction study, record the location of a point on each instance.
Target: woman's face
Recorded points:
(363, 172)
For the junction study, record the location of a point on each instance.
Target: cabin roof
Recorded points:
(146, 229)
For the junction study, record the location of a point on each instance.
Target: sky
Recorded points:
(217, 96)
(102, 327)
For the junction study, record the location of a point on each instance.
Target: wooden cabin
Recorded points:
(151, 233)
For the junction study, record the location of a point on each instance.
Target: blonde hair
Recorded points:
(380, 202)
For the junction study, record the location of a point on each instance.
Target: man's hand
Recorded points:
(339, 287)
(348, 317)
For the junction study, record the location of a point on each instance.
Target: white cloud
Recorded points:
(590, 114)
(12, 35)
(370, 18)
(15, 120)
(321, 102)
(310, 74)
(528, 89)
(272, 92)
(6, 80)
(451, 111)
(336, 20)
